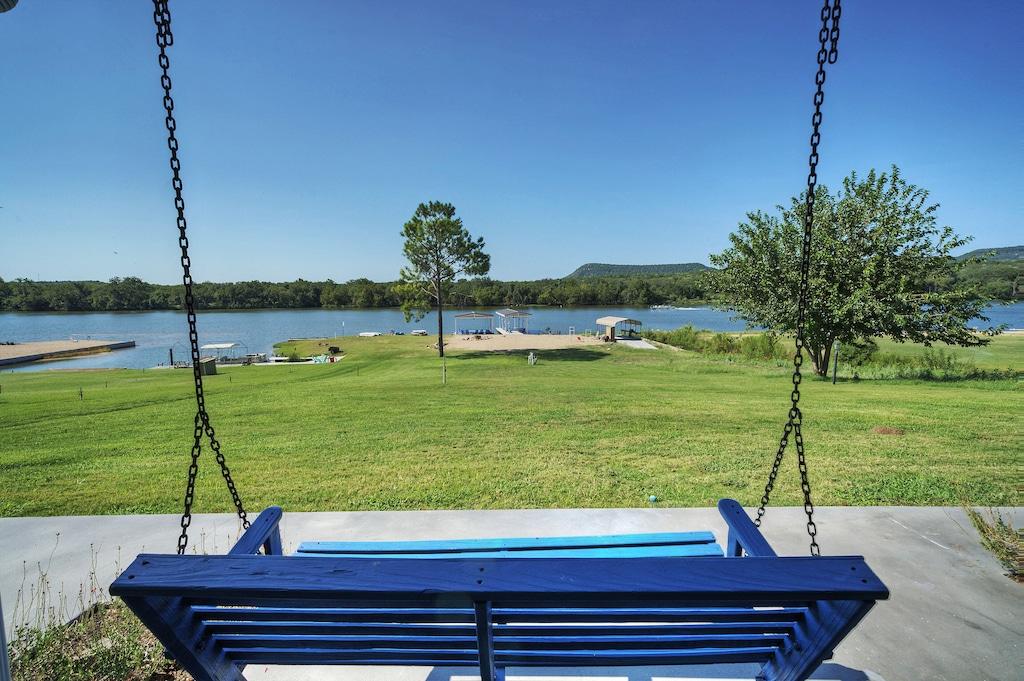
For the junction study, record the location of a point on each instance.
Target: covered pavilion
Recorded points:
(513, 321)
(471, 322)
(620, 327)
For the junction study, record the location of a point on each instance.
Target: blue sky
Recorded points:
(563, 131)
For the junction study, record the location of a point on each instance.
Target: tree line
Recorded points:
(132, 293)
(997, 280)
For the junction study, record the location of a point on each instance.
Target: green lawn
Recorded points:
(1004, 352)
(589, 427)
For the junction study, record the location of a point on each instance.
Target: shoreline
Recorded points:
(690, 304)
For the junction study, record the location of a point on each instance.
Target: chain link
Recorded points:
(202, 426)
(828, 52)
(828, 38)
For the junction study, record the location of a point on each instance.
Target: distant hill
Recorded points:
(999, 254)
(597, 269)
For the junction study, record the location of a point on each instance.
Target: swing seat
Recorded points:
(631, 600)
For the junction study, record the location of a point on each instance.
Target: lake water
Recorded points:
(155, 332)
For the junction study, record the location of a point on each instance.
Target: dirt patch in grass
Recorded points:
(888, 430)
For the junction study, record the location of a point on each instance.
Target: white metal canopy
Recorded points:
(614, 321)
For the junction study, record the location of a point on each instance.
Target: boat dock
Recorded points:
(38, 351)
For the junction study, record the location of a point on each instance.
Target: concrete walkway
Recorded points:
(635, 343)
(952, 616)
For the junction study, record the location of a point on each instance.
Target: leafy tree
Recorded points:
(66, 296)
(999, 279)
(333, 295)
(638, 292)
(438, 249)
(128, 293)
(26, 297)
(362, 292)
(303, 294)
(876, 251)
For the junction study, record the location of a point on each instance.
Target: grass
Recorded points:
(84, 637)
(1004, 352)
(1001, 358)
(107, 642)
(1001, 539)
(601, 427)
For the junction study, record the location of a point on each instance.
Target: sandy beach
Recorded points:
(498, 343)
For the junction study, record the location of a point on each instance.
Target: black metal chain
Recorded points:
(828, 52)
(164, 39)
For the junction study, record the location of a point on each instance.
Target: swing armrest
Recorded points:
(744, 537)
(264, 532)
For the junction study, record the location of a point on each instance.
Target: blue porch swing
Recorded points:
(489, 604)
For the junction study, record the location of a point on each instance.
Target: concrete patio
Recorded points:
(953, 615)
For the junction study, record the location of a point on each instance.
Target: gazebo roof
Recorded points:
(509, 312)
(614, 321)
(473, 315)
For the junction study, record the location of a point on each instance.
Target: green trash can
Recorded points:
(208, 366)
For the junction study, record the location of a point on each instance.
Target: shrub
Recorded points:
(932, 364)
(937, 359)
(858, 353)
(722, 344)
(686, 337)
(756, 346)
(762, 346)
